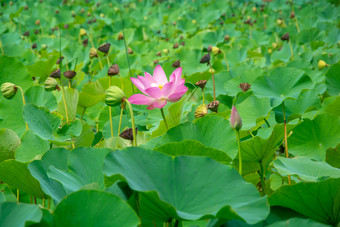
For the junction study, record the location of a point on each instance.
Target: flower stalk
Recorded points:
(285, 132)
(165, 122)
(132, 122)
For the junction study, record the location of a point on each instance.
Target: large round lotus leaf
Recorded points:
(16, 175)
(14, 72)
(211, 131)
(297, 222)
(93, 92)
(282, 83)
(43, 68)
(38, 168)
(259, 151)
(17, 215)
(31, 147)
(9, 142)
(333, 79)
(38, 96)
(189, 184)
(193, 148)
(11, 114)
(41, 121)
(313, 137)
(319, 201)
(305, 168)
(94, 208)
(84, 168)
(253, 110)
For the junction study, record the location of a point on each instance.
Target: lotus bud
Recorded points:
(165, 51)
(51, 84)
(254, 9)
(114, 96)
(8, 90)
(104, 48)
(322, 64)
(93, 53)
(194, 21)
(205, 59)
(269, 51)
(70, 74)
(120, 36)
(213, 106)
(244, 86)
(44, 46)
(201, 83)
(101, 15)
(127, 134)
(82, 32)
(55, 74)
(113, 70)
(226, 38)
(235, 119)
(216, 50)
(176, 64)
(201, 111)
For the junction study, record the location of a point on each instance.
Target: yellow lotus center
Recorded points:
(160, 86)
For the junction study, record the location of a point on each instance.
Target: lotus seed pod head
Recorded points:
(55, 74)
(213, 106)
(245, 86)
(201, 111)
(127, 134)
(82, 32)
(104, 48)
(194, 21)
(130, 51)
(70, 74)
(205, 59)
(93, 53)
(114, 96)
(322, 64)
(285, 37)
(101, 15)
(279, 22)
(120, 36)
(51, 84)
(226, 38)
(274, 45)
(269, 51)
(166, 51)
(216, 50)
(113, 70)
(201, 83)
(209, 48)
(8, 90)
(176, 64)
(254, 9)
(211, 70)
(235, 119)
(37, 22)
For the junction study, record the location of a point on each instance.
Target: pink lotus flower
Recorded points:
(157, 89)
(235, 119)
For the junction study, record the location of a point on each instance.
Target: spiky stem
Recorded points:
(239, 152)
(225, 58)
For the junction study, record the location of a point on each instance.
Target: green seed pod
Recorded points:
(201, 111)
(114, 96)
(51, 84)
(8, 90)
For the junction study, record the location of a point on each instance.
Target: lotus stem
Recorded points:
(263, 183)
(64, 100)
(166, 123)
(120, 119)
(291, 50)
(213, 78)
(2, 49)
(43, 202)
(285, 132)
(239, 152)
(121, 80)
(18, 195)
(91, 41)
(225, 58)
(297, 25)
(126, 50)
(110, 110)
(23, 102)
(49, 203)
(133, 123)
(82, 114)
(203, 95)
